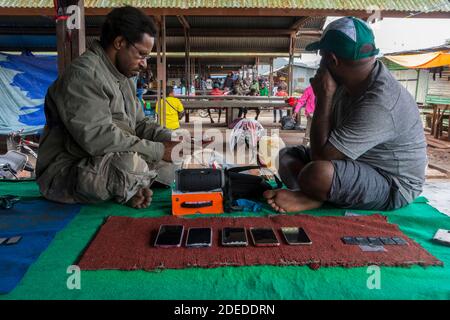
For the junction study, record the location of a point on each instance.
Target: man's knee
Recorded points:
(116, 176)
(316, 178)
(129, 162)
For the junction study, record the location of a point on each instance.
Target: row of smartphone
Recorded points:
(171, 236)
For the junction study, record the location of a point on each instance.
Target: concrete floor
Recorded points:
(438, 194)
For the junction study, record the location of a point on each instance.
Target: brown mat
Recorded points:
(127, 244)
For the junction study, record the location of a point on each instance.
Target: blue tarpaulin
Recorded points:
(24, 80)
(37, 222)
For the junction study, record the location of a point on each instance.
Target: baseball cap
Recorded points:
(348, 38)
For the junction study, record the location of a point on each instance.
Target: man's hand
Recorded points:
(323, 84)
(168, 147)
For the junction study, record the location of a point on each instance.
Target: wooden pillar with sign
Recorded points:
(70, 31)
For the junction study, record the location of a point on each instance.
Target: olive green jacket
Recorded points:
(91, 110)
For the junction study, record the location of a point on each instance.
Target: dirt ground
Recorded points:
(439, 158)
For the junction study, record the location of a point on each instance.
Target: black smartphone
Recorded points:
(375, 241)
(387, 240)
(399, 241)
(362, 241)
(199, 237)
(295, 236)
(234, 237)
(350, 240)
(169, 236)
(264, 237)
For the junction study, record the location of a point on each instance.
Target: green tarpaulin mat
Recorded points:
(49, 277)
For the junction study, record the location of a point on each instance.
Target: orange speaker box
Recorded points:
(207, 202)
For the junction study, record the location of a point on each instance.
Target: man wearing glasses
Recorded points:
(97, 144)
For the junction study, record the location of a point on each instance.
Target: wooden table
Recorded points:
(228, 103)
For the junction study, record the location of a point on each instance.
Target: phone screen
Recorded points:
(264, 237)
(199, 237)
(235, 237)
(169, 236)
(294, 235)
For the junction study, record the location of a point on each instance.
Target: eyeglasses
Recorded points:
(141, 57)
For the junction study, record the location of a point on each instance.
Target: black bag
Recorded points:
(244, 186)
(288, 123)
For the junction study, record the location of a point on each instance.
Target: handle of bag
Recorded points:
(202, 204)
(240, 169)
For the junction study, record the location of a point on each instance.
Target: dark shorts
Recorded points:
(357, 185)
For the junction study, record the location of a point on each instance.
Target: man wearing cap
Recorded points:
(368, 148)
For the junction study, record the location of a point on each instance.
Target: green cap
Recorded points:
(348, 38)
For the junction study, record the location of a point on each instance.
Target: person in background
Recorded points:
(263, 91)
(174, 110)
(308, 100)
(215, 92)
(243, 111)
(255, 85)
(229, 81)
(280, 93)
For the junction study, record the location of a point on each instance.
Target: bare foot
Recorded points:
(283, 200)
(141, 199)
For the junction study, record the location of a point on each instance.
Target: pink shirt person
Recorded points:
(308, 99)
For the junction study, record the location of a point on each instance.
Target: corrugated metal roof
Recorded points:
(397, 5)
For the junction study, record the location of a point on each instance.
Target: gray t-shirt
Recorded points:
(383, 129)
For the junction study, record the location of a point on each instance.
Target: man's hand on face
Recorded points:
(323, 84)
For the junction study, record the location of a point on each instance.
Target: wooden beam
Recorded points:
(184, 22)
(245, 12)
(230, 32)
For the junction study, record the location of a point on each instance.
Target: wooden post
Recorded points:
(161, 68)
(271, 77)
(187, 61)
(257, 67)
(291, 64)
(70, 34)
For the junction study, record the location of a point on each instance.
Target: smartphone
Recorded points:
(234, 237)
(375, 241)
(362, 241)
(387, 241)
(264, 237)
(400, 241)
(169, 236)
(295, 236)
(199, 237)
(442, 236)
